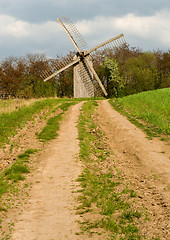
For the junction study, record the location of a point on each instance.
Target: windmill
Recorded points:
(86, 80)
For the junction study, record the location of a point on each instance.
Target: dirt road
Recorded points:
(50, 211)
(151, 156)
(144, 163)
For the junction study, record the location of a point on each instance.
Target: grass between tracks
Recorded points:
(103, 194)
(148, 110)
(50, 131)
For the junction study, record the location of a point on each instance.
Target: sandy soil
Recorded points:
(50, 212)
(24, 139)
(125, 138)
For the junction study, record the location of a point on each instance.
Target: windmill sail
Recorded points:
(54, 65)
(86, 80)
(73, 33)
(111, 43)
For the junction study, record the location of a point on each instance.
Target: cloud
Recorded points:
(10, 26)
(19, 37)
(37, 11)
(147, 26)
(153, 28)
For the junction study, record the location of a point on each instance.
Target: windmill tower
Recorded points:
(86, 80)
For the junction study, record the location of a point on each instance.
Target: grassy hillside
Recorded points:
(10, 105)
(149, 110)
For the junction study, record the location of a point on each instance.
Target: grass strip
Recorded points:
(9, 122)
(50, 131)
(102, 186)
(148, 110)
(16, 172)
(10, 185)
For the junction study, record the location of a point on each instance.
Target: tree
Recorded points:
(20, 77)
(115, 83)
(11, 76)
(65, 83)
(163, 67)
(123, 71)
(141, 73)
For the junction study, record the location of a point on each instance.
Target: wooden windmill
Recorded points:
(86, 80)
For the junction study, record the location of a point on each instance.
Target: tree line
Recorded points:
(130, 70)
(123, 71)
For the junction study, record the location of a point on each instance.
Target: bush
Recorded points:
(115, 82)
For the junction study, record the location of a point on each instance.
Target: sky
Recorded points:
(31, 26)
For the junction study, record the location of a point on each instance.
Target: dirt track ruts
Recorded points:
(144, 163)
(50, 211)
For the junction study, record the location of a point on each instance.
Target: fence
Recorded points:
(4, 96)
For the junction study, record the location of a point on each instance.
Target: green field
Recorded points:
(148, 110)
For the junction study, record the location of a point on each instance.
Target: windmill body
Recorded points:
(86, 80)
(83, 80)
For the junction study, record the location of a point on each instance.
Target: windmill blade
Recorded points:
(93, 72)
(86, 77)
(53, 65)
(73, 33)
(111, 43)
(61, 70)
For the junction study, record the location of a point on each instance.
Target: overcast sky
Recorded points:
(30, 26)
